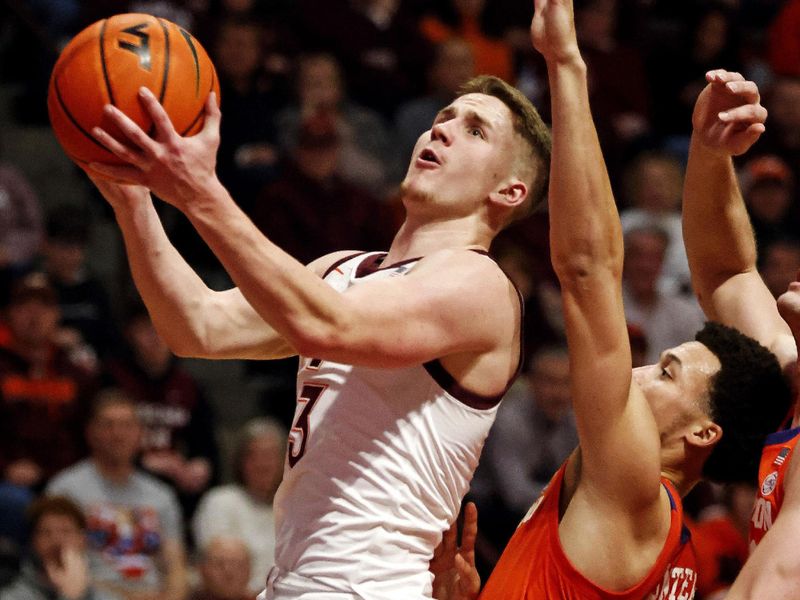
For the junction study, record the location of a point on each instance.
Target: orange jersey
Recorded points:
(534, 567)
(775, 457)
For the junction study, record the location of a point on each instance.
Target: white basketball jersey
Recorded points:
(378, 463)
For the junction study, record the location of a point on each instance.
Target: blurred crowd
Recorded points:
(115, 481)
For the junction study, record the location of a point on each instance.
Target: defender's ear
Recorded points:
(705, 435)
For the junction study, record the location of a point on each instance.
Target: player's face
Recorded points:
(677, 385)
(466, 155)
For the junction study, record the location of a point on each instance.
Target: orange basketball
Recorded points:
(108, 62)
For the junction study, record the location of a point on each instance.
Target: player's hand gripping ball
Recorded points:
(108, 62)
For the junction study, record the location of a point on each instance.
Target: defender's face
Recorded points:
(466, 155)
(676, 386)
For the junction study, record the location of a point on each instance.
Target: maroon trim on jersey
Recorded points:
(340, 262)
(373, 264)
(449, 384)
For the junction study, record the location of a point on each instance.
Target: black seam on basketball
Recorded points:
(187, 36)
(166, 61)
(194, 121)
(103, 63)
(72, 119)
(203, 108)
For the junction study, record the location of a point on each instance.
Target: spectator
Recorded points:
(782, 137)
(244, 509)
(225, 570)
(619, 97)
(247, 154)
(58, 567)
(43, 391)
(179, 443)
(533, 434)
(720, 540)
(20, 222)
(310, 210)
(453, 66)
(377, 42)
(134, 521)
(653, 184)
(463, 19)
(85, 306)
(668, 319)
(365, 147)
(779, 264)
(768, 189)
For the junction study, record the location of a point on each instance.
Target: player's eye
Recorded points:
(475, 132)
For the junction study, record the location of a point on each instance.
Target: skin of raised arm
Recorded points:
(192, 319)
(394, 322)
(728, 118)
(615, 425)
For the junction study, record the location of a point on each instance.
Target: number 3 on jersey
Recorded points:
(300, 430)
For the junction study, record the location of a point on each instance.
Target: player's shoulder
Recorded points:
(322, 265)
(462, 259)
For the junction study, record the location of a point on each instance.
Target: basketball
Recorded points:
(108, 62)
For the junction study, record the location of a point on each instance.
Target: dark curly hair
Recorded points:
(748, 399)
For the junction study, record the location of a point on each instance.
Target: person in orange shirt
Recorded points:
(492, 56)
(609, 524)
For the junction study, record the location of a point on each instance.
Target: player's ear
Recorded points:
(705, 434)
(511, 194)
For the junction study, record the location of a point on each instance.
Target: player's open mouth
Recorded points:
(428, 158)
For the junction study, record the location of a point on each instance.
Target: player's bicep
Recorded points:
(615, 424)
(426, 315)
(744, 302)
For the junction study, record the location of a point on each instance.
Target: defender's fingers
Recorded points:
(723, 76)
(748, 113)
(746, 90)
(469, 530)
(469, 581)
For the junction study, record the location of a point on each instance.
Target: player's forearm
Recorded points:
(585, 233)
(716, 228)
(171, 290)
(297, 303)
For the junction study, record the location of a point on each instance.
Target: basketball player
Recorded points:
(722, 259)
(609, 525)
(404, 355)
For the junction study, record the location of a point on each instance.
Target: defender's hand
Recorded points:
(553, 30)
(728, 117)
(453, 566)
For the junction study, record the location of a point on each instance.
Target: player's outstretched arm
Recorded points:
(615, 426)
(728, 118)
(406, 320)
(773, 569)
(191, 318)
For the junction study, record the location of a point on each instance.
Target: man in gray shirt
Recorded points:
(134, 522)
